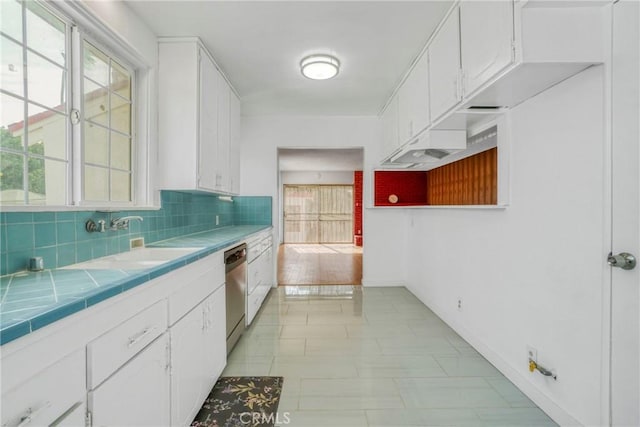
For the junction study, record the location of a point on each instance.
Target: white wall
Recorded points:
(531, 274)
(318, 178)
(384, 237)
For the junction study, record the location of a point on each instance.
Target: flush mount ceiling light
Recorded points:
(319, 67)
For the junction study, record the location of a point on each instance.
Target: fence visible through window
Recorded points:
(318, 213)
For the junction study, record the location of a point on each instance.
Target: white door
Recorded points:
(137, 394)
(486, 35)
(625, 284)
(208, 123)
(444, 67)
(187, 367)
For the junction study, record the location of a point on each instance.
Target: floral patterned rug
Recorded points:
(241, 402)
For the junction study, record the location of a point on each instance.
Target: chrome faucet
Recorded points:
(123, 223)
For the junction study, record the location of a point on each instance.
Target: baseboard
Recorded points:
(546, 403)
(382, 283)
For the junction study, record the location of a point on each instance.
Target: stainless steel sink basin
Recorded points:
(136, 259)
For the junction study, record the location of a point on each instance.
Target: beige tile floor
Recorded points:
(353, 356)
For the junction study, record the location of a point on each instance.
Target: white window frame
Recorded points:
(82, 24)
(78, 41)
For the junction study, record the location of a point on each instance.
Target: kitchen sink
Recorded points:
(136, 259)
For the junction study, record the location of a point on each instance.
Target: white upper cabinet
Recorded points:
(194, 119)
(390, 127)
(413, 101)
(221, 161)
(486, 40)
(548, 45)
(234, 146)
(208, 129)
(444, 67)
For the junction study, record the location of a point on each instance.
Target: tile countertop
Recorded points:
(32, 300)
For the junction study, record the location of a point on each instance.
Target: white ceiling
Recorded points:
(320, 160)
(259, 44)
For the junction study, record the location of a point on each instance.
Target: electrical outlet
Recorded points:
(532, 354)
(136, 243)
(217, 219)
(459, 304)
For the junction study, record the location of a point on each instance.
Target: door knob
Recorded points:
(624, 260)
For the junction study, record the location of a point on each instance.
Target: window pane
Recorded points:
(11, 76)
(120, 80)
(96, 183)
(96, 103)
(46, 83)
(120, 151)
(96, 65)
(12, 122)
(45, 33)
(47, 132)
(47, 182)
(11, 20)
(11, 178)
(120, 115)
(120, 186)
(96, 144)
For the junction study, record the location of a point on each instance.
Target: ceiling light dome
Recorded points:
(320, 67)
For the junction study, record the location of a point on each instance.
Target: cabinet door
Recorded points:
(390, 127)
(47, 396)
(234, 144)
(222, 161)
(208, 124)
(214, 337)
(187, 364)
(444, 67)
(413, 102)
(486, 35)
(138, 393)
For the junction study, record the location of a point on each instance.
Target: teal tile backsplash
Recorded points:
(60, 238)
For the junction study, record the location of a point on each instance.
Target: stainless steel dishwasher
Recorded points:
(235, 261)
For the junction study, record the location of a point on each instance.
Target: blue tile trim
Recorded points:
(16, 330)
(103, 293)
(57, 313)
(134, 281)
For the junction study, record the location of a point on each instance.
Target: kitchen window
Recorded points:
(67, 125)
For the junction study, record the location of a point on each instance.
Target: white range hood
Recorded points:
(430, 147)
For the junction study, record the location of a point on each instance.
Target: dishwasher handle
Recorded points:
(235, 256)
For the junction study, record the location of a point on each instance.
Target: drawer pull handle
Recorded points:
(31, 414)
(136, 338)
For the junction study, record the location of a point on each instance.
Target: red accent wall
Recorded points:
(409, 186)
(357, 208)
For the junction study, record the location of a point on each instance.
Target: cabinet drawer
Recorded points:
(47, 396)
(113, 349)
(138, 393)
(197, 288)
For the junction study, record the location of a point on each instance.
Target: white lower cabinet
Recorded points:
(148, 358)
(138, 393)
(260, 279)
(215, 337)
(54, 396)
(198, 355)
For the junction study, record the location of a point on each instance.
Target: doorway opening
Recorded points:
(320, 217)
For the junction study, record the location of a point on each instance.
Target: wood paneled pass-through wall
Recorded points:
(470, 181)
